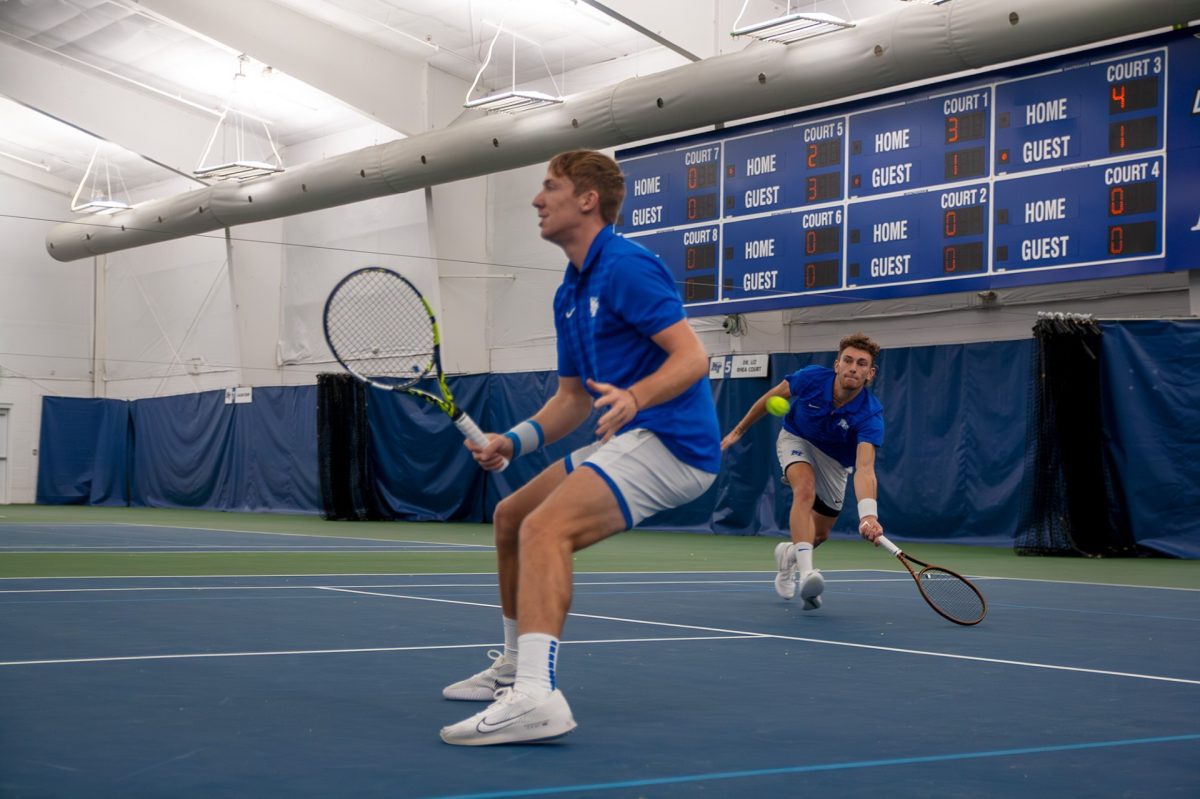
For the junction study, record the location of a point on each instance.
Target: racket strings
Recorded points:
(952, 594)
(378, 326)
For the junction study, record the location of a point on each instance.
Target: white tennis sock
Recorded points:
(804, 557)
(537, 654)
(510, 639)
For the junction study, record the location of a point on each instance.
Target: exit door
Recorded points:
(3, 456)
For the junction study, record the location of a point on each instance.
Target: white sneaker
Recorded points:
(785, 560)
(482, 687)
(812, 585)
(514, 717)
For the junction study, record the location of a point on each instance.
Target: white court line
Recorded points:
(748, 634)
(241, 549)
(722, 634)
(581, 580)
(759, 581)
(363, 650)
(491, 574)
(223, 530)
(1085, 582)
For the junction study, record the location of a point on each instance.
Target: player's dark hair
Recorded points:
(860, 341)
(589, 170)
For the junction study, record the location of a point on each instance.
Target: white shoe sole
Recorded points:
(473, 693)
(811, 588)
(482, 687)
(785, 580)
(542, 722)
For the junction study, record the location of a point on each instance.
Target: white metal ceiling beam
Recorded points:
(383, 85)
(690, 35)
(38, 177)
(913, 43)
(115, 112)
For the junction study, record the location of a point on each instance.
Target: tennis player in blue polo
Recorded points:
(832, 428)
(625, 348)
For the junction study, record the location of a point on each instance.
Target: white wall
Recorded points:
(521, 322)
(45, 324)
(168, 319)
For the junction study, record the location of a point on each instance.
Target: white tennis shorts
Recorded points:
(831, 475)
(643, 474)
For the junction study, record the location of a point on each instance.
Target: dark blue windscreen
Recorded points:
(951, 466)
(422, 470)
(196, 451)
(84, 452)
(953, 454)
(1150, 372)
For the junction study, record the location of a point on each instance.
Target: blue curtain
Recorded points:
(195, 451)
(84, 452)
(1150, 373)
(951, 467)
(953, 454)
(422, 470)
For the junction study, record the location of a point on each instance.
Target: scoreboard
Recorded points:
(1080, 167)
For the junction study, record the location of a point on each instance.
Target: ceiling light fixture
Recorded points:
(100, 197)
(512, 100)
(791, 27)
(240, 168)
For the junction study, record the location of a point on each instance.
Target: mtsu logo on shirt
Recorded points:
(594, 306)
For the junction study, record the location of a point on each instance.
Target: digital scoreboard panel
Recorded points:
(1082, 167)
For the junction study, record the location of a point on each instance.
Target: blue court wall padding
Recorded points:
(422, 470)
(953, 454)
(1150, 373)
(953, 459)
(513, 398)
(195, 451)
(84, 452)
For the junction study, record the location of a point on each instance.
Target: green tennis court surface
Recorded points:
(634, 551)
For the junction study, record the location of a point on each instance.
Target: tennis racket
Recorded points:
(950, 594)
(383, 332)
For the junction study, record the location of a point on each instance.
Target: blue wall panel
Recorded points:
(422, 470)
(1150, 372)
(951, 467)
(84, 452)
(194, 451)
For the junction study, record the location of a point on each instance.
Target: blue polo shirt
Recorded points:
(605, 314)
(835, 431)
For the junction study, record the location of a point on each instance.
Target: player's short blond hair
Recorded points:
(589, 170)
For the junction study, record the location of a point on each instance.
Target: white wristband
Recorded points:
(527, 437)
(867, 507)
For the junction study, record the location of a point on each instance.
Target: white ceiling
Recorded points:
(136, 87)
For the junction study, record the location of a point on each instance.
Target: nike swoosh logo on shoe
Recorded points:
(484, 726)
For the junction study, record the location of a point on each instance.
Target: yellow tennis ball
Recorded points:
(777, 406)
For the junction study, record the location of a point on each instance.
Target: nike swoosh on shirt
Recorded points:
(569, 313)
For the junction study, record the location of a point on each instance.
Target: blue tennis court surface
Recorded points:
(702, 684)
(135, 538)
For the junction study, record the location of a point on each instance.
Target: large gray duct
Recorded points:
(914, 42)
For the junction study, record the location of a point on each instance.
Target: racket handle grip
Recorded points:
(888, 545)
(466, 425)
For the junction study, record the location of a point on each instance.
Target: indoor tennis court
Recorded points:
(127, 675)
(319, 319)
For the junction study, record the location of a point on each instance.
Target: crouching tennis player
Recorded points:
(626, 349)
